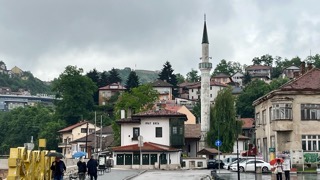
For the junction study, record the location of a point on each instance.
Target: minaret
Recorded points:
(205, 68)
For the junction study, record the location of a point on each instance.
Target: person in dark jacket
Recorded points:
(82, 169)
(92, 166)
(58, 168)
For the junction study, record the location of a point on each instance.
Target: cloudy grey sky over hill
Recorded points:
(45, 36)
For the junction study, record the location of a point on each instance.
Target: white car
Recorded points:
(248, 165)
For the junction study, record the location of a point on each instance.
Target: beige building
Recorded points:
(164, 89)
(72, 133)
(287, 119)
(106, 92)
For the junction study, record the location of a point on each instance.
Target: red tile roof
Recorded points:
(159, 113)
(242, 137)
(208, 151)
(309, 81)
(192, 131)
(255, 66)
(147, 147)
(247, 123)
(108, 87)
(69, 128)
(173, 107)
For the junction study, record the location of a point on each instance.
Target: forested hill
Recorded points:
(26, 82)
(145, 76)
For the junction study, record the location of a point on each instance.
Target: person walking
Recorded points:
(92, 166)
(82, 169)
(286, 167)
(58, 168)
(278, 169)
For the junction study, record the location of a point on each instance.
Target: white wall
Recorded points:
(147, 131)
(213, 92)
(241, 146)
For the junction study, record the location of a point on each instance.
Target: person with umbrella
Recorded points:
(92, 166)
(82, 169)
(286, 167)
(278, 169)
(58, 168)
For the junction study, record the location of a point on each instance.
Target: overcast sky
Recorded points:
(45, 36)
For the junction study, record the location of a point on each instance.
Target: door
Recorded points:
(128, 159)
(120, 158)
(136, 159)
(249, 166)
(145, 159)
(153, 158)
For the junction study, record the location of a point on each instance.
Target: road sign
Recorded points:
(218, 143)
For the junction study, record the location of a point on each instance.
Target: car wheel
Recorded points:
(265, 169)
(241, 169)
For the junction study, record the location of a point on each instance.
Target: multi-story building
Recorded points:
(287, 119)
(259, 72)
(289, 72)
(155, 135)
(222, 78)
(164, 89)
(215, 87)
(72, 133)
(106, 92)
(237, 78)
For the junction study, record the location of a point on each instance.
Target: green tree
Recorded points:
(114, 76)
(104, 79)
(222, 67)
(94, 75)
(246, 78)
(277, 83)
(132, 81)
(251, 92)
(266, 60)
(167, 74)
(137, 100)
(196, 111)
(223, 121)
(76, 92)
(193, 76)
(180, 78)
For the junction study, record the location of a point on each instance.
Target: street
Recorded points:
(126, 174)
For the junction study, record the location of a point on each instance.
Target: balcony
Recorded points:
(62, 145)
(282, 125)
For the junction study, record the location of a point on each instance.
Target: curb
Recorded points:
(135, 175)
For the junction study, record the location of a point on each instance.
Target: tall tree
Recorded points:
(139, 99)
(251, 92)
(114, 76)
(104, 79)
(94, 75)
(167, 74)
(193, 76)
(266, 60)
(222, 67)
(223, 121)
(132, 81)
(180, 78)
(75, 91)
(246, 78)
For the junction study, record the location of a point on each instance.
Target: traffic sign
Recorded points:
(218, 143)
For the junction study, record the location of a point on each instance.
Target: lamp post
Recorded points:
(237, 135)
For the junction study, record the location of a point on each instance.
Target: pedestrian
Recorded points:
(278, 169)
(58, 168)
(92, 166)
(82, 169)
(286, 167)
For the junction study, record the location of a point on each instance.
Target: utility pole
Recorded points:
(237, 134)
(87, 140)
(101, 133)
(95, 131)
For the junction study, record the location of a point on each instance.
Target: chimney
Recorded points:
(302, 67)
(123, 114)
(295, 74)
(309, 66)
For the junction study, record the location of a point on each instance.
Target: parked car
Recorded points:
(248, 165)
(241, 159)
(214, 164)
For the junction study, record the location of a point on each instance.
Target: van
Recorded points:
(228, 161)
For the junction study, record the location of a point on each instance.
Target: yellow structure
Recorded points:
(29, 165)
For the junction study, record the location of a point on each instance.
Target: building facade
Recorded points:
(164, 89)
(106, 92)
(160, 135)
(259, 72)
(287, 119)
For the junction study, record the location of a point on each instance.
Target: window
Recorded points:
(264, 117)
(135, 133)
(310, 142)
(282, 111)
(174, 130)
(310, 111)
(91, 130)
(158, 131)
(258, 119)
(270, 114)
(273, 141)
(83, 130)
